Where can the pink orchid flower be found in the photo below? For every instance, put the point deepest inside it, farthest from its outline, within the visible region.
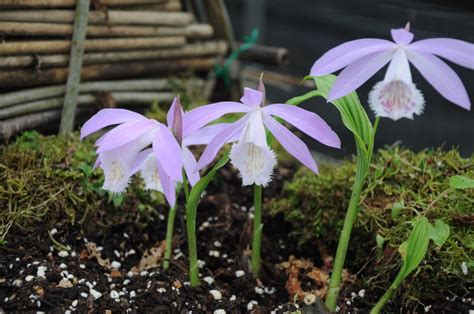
(124, 150)
(396, 96)
(251, 155)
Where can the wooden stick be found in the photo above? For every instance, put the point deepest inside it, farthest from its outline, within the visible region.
(21, 78)
(275, 56)
(58, 46)
(170, 6)
(75, 64)
(120, 98)
(211, 48)
(111, 17)
(54, 29)
(68, 3)
(29, 95)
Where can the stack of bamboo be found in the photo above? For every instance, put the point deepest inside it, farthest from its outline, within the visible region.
(128, 41)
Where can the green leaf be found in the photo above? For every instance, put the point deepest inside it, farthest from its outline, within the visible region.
(295, 101)
(402, 249)
(439, 232)
(380, 240)
(396, 209)
(201, 185)
(461, 182)
(352, 113)
(417, 245)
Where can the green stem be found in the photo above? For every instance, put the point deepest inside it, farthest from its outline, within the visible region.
(192, 248)
(169, 236)
(387, 295)
(257, 229)
(351, 215)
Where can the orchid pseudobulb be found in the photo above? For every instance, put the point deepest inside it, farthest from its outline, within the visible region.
(397, 96)
(251, 155)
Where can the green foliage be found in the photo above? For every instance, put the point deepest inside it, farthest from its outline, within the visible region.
(402, 185)
(50, 179)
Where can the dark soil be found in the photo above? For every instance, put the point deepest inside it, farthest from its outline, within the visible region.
(78, 282)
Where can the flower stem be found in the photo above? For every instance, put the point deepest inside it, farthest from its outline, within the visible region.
(169, 236)
(192, 248)
(257, 229)
(351, 215)
(387, 295)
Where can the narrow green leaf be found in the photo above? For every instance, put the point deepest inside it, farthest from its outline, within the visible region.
(295, 101)
(201, 185)
(439, 232)
(352, 113)
(417, 245)
(461, 182)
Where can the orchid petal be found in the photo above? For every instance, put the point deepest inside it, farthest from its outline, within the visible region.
(455, 50)
(139, 160)
(343, 55)
(116, 165)
(126, 133)
(204, 135)
(218, 141)
(306, 121)
(189, 163)
(358, 72)
(441, 77)
(401, 36)
(291, 143)
(252, 97)
(168, 184)
(106, 117)
(168, 153)
(199, 117)
(255, 163)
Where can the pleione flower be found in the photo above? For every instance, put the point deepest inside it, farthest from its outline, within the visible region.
(397, 96)
(156, 151)
(251, 155)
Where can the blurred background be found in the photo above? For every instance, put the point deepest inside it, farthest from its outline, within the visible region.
(309, 28)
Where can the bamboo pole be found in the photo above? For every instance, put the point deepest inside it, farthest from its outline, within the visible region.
(211, 48)
(75, 64)
(53, 29)
(170, 6)
(58, 46)
(10, 127)
(110, 17)
(69, 3)
(275, 56)
(120, 98)
(29, 95)
(21, 78)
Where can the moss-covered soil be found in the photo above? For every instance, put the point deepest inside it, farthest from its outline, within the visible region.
(51, 203)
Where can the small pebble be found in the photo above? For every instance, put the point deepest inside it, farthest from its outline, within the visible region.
(126, 282)
(82, 266)
(217, 244)
(117, 253)
(464, 268)
(41, 271)
(239, 273)
(115, 265)
(53, 231)
(209, 280)
(219, 311)
(362, 293)
(29, 278)
(63, 254)
(74, 303)
(161, 290)
(233, 298)
(62, 266)
(216, 294)
(251, 304)
(258, 290)
(114, 294)
(17, 283)
(96, 294)
(133, 294)
(84, 295)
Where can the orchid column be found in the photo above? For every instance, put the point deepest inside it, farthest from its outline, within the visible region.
(251, 155)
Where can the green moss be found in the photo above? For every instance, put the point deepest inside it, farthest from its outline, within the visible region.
(401, 186)
(50, 179)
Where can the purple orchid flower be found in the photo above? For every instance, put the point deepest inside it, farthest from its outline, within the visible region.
(396, 96)
(251, 155)
(123, 151)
